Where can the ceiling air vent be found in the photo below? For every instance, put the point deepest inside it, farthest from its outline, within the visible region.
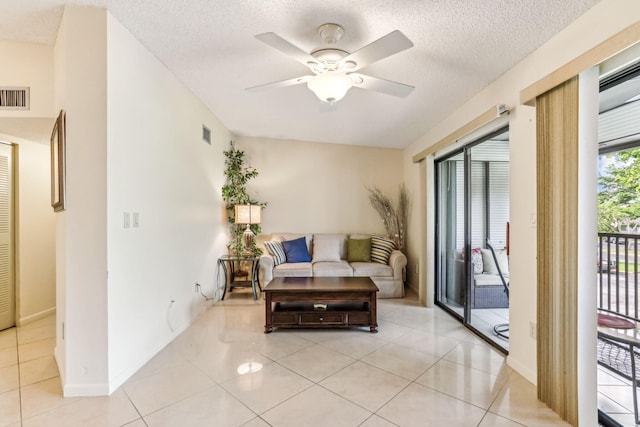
(14, 98)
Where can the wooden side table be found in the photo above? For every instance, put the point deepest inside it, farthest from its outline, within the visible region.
(234, 277)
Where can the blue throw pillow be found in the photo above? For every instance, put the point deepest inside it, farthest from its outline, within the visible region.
(296, 250)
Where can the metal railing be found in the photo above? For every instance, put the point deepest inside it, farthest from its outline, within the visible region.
(618, 273)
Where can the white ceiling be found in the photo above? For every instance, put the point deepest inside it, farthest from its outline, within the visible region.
(460, 47)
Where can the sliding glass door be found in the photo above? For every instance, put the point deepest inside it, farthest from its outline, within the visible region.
(472, 235)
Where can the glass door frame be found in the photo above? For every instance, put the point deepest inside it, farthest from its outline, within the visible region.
(468, 266)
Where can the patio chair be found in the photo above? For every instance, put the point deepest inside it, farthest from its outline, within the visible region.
(501, 329)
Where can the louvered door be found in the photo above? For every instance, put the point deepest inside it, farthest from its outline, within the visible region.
(7, 285)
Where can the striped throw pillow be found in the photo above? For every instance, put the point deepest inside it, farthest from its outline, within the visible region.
(276, 250)
(381, 248)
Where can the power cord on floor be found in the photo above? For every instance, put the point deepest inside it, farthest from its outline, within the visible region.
(206, 298)
(217, 293)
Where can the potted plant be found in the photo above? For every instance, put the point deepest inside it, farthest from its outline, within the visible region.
(234, 192)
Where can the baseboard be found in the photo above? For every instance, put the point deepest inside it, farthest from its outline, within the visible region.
(523, 370)
(83, 390)
(36, 316)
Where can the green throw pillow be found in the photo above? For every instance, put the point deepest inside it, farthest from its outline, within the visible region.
(359, 250)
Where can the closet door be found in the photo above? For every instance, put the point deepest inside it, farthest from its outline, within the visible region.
(7, 282)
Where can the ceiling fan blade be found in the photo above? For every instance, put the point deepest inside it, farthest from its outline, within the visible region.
(283, 83)
(277, 42)
(388, 45)
(380, 85)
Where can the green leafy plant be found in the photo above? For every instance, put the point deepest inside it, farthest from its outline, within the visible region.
(619, 189)
(394, 218)
(234, 192)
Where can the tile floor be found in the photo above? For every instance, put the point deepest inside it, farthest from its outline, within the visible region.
(615, 397)
(422, 368)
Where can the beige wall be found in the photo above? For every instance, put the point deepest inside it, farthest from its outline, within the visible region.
(31, 65)
(604, 20)
(35, 229)
(317, 187)
(36, 233)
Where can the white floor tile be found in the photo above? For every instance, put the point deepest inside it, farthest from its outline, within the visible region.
(213, 406)
(366, 385)
(316, 407)
(316, 362)
(476, 387)
(268, 387)
(164, 388)
(401, 361)
(418, 405)
(9, 407)
(114, 410)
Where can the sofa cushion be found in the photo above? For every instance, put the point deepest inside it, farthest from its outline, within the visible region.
(326, 250)
(293, 236)
(476, 260)
(298, 269)
(381, 248)
(342, 237)
(340, 268)
(296, 250)
(359, 250)
(490, 264)
(371, 269)
(276, 250)
(487, 280)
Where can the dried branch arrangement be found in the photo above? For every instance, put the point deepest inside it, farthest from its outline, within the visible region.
(393, 218)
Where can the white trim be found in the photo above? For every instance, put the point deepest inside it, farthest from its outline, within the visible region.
(83, 390)
(523, 370)
(36, 316)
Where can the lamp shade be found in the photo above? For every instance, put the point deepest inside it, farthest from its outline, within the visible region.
(330, 86)
(248, 214)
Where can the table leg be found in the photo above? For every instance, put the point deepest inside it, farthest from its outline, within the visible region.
(226, 278)
(268, 328)
(373, 328)
(254, 269)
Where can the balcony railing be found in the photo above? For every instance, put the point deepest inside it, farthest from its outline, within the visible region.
(618, 274)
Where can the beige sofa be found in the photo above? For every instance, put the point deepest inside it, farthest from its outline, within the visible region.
(388, 277)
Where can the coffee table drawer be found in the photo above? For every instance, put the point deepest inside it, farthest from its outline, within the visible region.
(359, 317)
(285, 318)
(322, 319)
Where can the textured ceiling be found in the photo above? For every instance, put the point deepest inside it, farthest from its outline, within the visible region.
(460, 47)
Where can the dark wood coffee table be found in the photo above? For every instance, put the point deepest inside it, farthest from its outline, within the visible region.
(320, 302)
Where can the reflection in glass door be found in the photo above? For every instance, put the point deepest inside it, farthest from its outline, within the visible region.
(472, 219)
(451, 275)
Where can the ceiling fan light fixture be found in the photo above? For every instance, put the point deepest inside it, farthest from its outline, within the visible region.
(330, 87)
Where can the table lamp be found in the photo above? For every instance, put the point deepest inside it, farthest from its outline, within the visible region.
(248, 214)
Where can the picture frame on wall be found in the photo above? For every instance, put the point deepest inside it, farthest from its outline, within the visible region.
(58, 163)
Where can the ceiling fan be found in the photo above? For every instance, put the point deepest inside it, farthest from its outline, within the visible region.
(334, 70)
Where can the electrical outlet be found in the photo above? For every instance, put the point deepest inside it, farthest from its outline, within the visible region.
(136, 219)
(127, 220)
(197, 287)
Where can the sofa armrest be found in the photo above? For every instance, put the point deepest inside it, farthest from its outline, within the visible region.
(266, 267)
(397, 261)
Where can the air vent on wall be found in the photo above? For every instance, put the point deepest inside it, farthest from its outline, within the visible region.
(206, 134)
(14, 98)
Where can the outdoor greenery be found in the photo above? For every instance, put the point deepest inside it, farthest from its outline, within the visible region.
(393, 218)
(234, 192)
(619, 195)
